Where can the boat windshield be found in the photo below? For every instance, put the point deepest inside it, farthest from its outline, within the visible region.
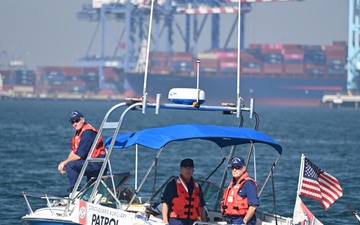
(109, 183)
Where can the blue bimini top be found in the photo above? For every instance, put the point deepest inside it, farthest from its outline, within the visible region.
(223, 136)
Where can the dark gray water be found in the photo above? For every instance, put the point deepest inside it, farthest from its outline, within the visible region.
(35, 137)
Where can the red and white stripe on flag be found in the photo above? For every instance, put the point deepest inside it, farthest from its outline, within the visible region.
(319, 185)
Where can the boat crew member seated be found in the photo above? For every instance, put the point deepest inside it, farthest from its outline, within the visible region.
(183, 201)
(240, 198)
(81, 143)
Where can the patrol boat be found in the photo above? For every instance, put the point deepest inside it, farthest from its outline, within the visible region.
(117, 198)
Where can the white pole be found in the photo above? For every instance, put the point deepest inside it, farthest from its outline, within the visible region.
(148, 47)
(238, 102)
(301, 173)
(239, 46)
(198, 79)
(136, 165)
(147, 58)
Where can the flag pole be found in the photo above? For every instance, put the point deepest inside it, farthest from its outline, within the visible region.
(298, 215)
(301, 173)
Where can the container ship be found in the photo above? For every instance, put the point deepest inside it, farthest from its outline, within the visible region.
(273, 74)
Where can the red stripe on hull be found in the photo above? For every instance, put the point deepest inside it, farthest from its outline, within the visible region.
(316, 88)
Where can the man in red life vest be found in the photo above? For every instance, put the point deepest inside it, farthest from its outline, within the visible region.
(183, 201)
(81, 143)
(240, 199)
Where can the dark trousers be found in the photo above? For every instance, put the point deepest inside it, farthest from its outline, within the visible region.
(174, 221)
(239, 220)
(73, 170)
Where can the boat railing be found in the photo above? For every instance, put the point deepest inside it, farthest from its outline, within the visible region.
(142, 104)
(56, 201)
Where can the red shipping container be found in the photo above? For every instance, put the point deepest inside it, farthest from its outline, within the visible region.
(182, 58)
(335, 56)
(233, 60)
(290, 69)
(182, 54)
(270, 50)
(57, 88)
(272, 68)
(227, 54)
(72, 71)
(228, 65)
(7, 87)
(294, 56)
(247, 57)
(90, 70)
(249, 70)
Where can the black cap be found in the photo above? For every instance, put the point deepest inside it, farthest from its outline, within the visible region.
(187, 163)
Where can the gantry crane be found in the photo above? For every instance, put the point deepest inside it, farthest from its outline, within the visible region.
(135, 15)
(353, 57)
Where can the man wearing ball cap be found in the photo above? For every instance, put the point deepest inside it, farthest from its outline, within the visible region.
(183, 201)
(240, 198)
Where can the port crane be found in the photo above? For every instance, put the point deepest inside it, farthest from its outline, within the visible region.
(167, 16)
(353, 57)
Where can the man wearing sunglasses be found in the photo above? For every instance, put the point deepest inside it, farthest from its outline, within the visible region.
(81, 143)
(240, 199)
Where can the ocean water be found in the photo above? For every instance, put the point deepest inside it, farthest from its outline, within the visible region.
(35, 137)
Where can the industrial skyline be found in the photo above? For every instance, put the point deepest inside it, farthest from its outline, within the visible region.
(48, 32)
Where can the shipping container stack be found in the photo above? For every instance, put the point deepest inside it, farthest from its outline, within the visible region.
(51, 80)
(90, 76)
(336, 60)
(251, 64)
(272, 58)
(112, 83)
(258, 60)
(6, 76)
(24, 81)
(209, 65)
(73, 80)
(279, 60)
(314, 59)
(159, 63)
(227, 63)
(293, 60)
(182, 63)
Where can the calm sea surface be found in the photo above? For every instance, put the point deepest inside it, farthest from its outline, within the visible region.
(35, 137)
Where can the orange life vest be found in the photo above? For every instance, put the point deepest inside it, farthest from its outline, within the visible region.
(232, 203)
(75, 141)
(184, 206)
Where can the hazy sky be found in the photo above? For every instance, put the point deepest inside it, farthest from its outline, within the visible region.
(47, 32)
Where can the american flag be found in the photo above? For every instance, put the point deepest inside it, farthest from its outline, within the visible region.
(319, 185)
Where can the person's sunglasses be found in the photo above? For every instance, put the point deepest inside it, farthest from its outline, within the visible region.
(236, 168)
(75, 121)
